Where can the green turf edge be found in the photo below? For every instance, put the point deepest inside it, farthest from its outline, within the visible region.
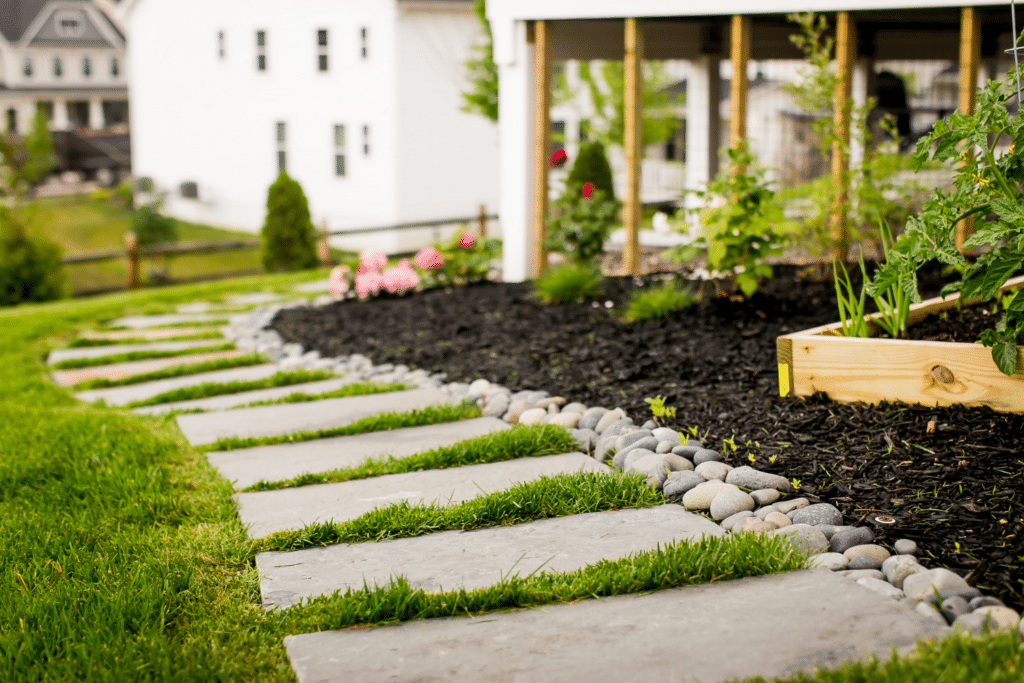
(521, 441)
(176, 371)
(209, 389)
(88, 342)
(375, 423)
(129, 356)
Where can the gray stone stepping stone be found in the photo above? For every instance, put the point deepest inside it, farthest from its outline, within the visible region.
(149, 333)
(301, 417)
(228, 401)
(314, 286)
(59, 355)
(138, 367)
(475, 559)
(270, 511)
(708, 633)
(142, 321)
(254, 298)
(246, 466)
(119, 396)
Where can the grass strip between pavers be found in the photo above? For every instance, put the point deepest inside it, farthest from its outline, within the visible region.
(557, 495)
(356, 389)
(521, 441)
(129, 356)
(82, 342)
(176, 371)
(673, 565)
(208, 389)
(375, 423)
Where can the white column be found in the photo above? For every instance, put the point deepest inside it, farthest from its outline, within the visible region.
(515, 144)
(859, 87)
(95, 113)
(703, 121)
(60, 114)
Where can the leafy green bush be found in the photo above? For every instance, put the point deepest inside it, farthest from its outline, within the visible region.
(591, 166)
(289, 240)
(568, 283)
(660, 302)
(30, 266)
(466, 258)
(153, 227)
(579, 227)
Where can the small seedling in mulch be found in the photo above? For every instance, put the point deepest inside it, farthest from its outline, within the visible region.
(658, 409)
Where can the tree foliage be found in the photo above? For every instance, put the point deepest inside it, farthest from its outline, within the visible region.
(30, 266)
(482, 72)
(27, 159)
(591, 166)
(289, 239)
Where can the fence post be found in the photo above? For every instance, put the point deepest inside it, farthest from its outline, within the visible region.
(131, 244)
(322, 248)
(482, 221)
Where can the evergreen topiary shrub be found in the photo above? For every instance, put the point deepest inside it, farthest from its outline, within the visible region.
(30, 267)
(289, 239)
(591, 166)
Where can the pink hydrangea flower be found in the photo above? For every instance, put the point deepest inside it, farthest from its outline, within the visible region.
(401, 279)
(467, 240)
(429, 258)
(338, 280)
(368, 283)
(372, 261)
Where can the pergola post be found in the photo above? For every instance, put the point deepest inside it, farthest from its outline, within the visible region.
(970, 58)
(846, 47)
(739, 54)
(633, 143)
(542, 140)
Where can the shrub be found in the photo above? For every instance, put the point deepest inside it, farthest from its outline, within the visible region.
(30, 267)
(289, 240)
(463, 259)
(591, 166)
(153, 227)
(580, 226)
(660, 302)
(568, 283)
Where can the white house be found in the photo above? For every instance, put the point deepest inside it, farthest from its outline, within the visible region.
(359, 100)
(66, 57)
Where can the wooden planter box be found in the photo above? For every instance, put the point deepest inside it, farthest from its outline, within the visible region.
(871, 370)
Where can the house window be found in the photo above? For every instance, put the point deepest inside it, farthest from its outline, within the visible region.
(115, 68)
(366, 141)
(69, 23)
(339, 150)
(584, 131)
(557, 136)
(86, 67)
(321, 44)
(26, 66)
(675, 146)
(261, 50)
(58, 69)
(281, 138)
(362, 33)
(12, 121)
(220, 44)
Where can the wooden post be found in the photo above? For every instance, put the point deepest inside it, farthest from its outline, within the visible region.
(846, 47)
(481, 220)
(632, 143)
(970, 56)
(131, 244)
(542, 141)
(739, 55)
(323, 249)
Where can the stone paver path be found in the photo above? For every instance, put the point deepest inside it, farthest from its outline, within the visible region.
(143, 321)
(59, 355)
(270, 511)
(286, 418)
(139, 367)
(314, 286)
(246, 466)
(475, 559)
(119, 396)
(150, 333)
(228, 401)
(769, 626)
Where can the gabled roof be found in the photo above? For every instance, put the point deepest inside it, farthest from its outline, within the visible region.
(17, 15)
(18, 18)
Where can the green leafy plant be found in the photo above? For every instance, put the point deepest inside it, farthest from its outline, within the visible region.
(289, 240)
(568, 283)
(482, 72)
(741, 231)
(660, 302)
(658, 409)
(591, 166)
(466, 259)
(851, 307)
(894, 300)
(30, 265)
(579, 226)
(27, 159)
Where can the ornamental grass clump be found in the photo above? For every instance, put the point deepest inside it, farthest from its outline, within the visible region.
(660, 302)
(569, 283)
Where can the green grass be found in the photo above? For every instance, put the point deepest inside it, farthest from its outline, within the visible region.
(521, 441)
(176, 371)
(660, 302)
(129, 356)
(568, 283)
(375, 423)
(83, 342)
(357, 389)
(573, 493)
(208, 389)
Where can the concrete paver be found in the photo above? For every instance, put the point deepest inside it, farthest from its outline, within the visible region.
(314, 286)
(149, 333)
(228, 401)
(119, 396)
(122, 370)
(143, 321)
(770, 626)
(475, 559)
(246, 466)
(58, 355)
(206, 428)
(254, 298)
(270, 511)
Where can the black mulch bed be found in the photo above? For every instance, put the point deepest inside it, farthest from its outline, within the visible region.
(953, 490)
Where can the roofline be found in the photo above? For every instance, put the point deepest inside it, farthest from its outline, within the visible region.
(102, 26)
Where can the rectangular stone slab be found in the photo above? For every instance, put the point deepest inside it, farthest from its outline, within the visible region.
(246, 466)
(314, 286)
(270, 511)
(228, 401)
(475, 559)
(59, 355)
(119, 396)
(141, 321)
(300, 417)
(254, 298)
(138, 367)
(150, 333)
(769, 626)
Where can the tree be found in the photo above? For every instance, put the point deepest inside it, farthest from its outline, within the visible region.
(482, 72)
(289, 240)
(28, 159)
(591, 166)
(30, 267)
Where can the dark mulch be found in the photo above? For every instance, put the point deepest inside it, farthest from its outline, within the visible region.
(953, 490)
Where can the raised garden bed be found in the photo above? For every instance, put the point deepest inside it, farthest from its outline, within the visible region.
(933, 373)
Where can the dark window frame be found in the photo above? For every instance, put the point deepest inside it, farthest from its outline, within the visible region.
(58, 67)
(86, 67)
